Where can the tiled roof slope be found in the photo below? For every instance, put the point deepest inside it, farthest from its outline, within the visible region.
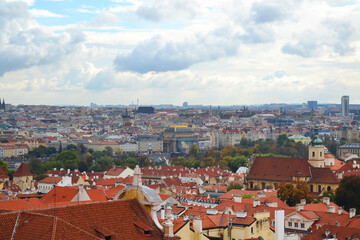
(116, 216)
(121, 219)
(285, 169)
(2, 173)
(22, 171)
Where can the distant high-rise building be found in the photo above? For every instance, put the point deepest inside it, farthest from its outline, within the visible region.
(345, 106)
(313, 105)
(185, 105)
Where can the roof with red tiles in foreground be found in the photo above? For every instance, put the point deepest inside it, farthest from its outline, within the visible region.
(121, 219)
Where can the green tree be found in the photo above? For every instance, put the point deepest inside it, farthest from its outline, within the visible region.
(236, 162)
(109, 151)
(348, 193)
(71, 146)
(4, 166)
(194, 150)
(35, 166)
(70, 158)
(131, 162)
(292, 193)
(234, 186)
(282, 139)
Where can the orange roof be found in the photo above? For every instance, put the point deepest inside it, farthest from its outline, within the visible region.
(22, 171)
(97, 195)
(3, 173)
(113, 191)
(51, 180)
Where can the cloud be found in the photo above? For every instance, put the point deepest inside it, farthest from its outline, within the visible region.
(157, 10)
(24, 44)
(277, 74)
(160, 55)
(44, 13)
(267, 12)
(331, 36)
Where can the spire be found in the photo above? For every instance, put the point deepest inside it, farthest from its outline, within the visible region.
(137, 176)
(317, 140)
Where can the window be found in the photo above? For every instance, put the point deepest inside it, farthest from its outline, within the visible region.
(320, 154)
(328, 188)
(311, 188)
(313, 154)
(319, 188)
(252, 230)
(290, 224)
(296, 225)
(302, 225)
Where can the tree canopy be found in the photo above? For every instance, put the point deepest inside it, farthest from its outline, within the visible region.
(348, 193)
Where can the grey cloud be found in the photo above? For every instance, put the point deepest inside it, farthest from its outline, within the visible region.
(22, 47)
(157, 10)
(160, 55)
(267, 12)
(334, 34)
(102, 81)
(256, 34)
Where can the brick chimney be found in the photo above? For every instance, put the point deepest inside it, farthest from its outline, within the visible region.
(168, 224)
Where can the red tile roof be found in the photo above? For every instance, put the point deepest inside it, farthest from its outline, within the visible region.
(341, 232)
(3, 173)
(51, 180)
(22, 171)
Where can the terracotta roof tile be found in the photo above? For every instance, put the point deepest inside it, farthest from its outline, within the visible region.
(22, 171)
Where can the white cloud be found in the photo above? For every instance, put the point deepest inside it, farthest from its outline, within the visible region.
(44, 13)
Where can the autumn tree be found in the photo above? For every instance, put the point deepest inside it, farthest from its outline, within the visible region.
(292, 193)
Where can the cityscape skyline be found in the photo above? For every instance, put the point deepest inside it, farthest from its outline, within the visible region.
(213, 53)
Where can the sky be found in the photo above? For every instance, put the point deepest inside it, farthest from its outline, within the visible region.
(218, 52)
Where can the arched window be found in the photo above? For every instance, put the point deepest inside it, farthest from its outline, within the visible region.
(263, 185)
(313, 154)
(311, 188)
(251, 185)
(328, 188)
(319, 188)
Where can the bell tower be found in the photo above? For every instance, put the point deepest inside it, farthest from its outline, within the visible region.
(316, 150)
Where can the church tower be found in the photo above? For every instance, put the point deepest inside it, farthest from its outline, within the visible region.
(317, 150)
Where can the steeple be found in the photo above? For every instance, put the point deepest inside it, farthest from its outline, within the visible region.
(317, 140)
(317, 150)
(4, 105)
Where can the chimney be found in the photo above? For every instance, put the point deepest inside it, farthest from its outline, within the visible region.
(162, 214)
(330, 209)
(237, 198)
(352, 212)
(68, 171)
(340, 210)
(241, 214)
(54, 169)
(211, 211)
(197, 225)
(261, 195)
(299, 207)
(303, 201)
(137, 176)
(256, 202)
(326, 200)
(168, 224)
(279, 225)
